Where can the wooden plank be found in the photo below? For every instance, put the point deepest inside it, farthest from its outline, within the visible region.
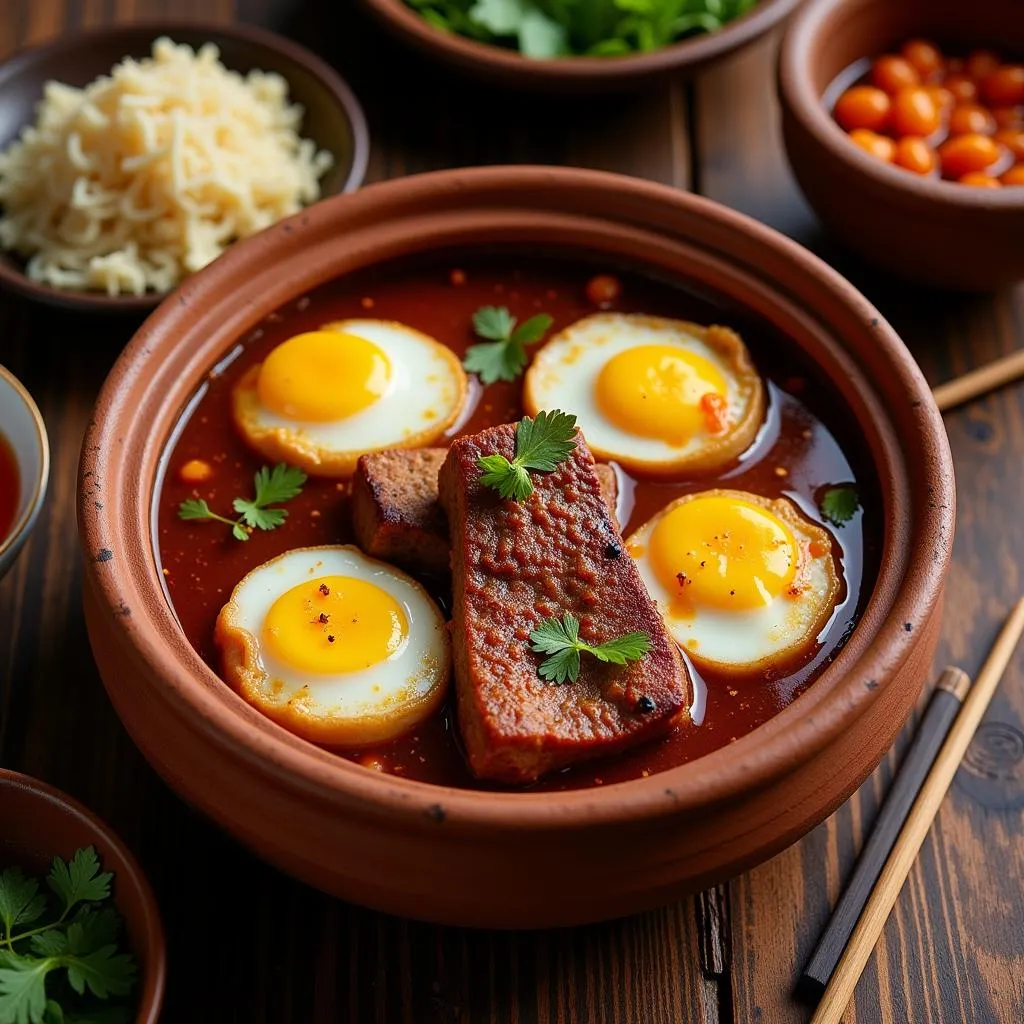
(954, 946)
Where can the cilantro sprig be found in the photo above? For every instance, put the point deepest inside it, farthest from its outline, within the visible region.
(56, 964)
(503, 355)
(560, 639)
(541, 444)
(838, 505)
(272, 486)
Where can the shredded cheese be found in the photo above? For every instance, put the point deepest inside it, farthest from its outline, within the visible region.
(147, 174)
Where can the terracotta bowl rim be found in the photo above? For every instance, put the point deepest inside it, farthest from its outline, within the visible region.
(775, 749)
(96, 302)
(60, 804)
(803, 102)
(26, 522)
(490, 58)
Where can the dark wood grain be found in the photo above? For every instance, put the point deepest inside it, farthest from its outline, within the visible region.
(248, 944)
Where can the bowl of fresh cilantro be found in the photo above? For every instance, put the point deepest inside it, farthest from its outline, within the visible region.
(80, 932)
(579, 45)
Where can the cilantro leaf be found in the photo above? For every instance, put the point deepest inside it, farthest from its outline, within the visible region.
(838, 505)
(52, 942)
(560, 639)
(272, 486)
(79, 881)
(23, 990)
(541, 444)
(20, 900)
(105, 971)
(503, 355)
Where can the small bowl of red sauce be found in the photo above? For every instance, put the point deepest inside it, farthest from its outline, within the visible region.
(904, 125)
(24, 466)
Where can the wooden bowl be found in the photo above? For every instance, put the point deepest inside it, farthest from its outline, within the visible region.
(926, 230)
(40, 823)
(333, 118)
(514, 859)
(577, 74)
(22, 426)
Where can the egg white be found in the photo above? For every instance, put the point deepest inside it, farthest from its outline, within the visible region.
(565, 371)
(425, 394)
(348, 709)
(752, 639)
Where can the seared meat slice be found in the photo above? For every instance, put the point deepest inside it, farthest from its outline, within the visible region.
(515, 564)
(396, 514)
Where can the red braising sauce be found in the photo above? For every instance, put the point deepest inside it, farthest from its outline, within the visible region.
(806, 444)
(10, 489)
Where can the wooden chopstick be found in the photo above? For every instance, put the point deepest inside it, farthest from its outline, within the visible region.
(858, 951)
(934, 726)
(978, 382)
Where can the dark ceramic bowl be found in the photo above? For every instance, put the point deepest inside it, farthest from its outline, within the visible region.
(577, 74)
(923, 229)
(333, 117)
(40, 823)
(478, 857)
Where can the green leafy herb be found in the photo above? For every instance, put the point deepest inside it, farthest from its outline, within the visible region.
(560, 639)
(57, 961)
(503, 355)
(838, 505)
(543, 29)
(272, 486)
(541, 444)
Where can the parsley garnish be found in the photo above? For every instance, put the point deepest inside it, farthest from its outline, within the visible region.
(503, 356)
(273, 486)
(54, 966)
(560, 638)
(541, 444)
(839, 504)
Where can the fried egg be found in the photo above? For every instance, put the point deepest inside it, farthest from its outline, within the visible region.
(335, 646)
(661, 397)
(323, 398)
(743, 582)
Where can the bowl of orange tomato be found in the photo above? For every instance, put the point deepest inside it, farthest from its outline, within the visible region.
(904, 126)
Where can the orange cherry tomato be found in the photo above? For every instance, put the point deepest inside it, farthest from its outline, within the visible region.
(603, 289)
(894, 73)
(941, 97)
(1012, 139)
(914, 154)
(971, 117)
(1014, 176)
(914, 112)
(964, 154)
(1004, 87)
(1009, 117)
(981, 64)
(924, 56)
(863, 106)
(964, 89)
(979, 179)
(877, 145)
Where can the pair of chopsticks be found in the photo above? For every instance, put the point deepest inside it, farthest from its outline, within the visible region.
(947, 727)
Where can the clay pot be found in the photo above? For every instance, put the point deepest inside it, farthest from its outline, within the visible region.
(40, 823)
(923, 229)
(514, 859)
(332, 116)
(509, 69)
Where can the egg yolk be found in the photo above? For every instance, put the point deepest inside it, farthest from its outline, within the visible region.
(334, 624)
(321, 376)
(656, 391)
(723, 553)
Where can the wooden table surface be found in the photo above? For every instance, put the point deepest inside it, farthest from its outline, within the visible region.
(246, 943)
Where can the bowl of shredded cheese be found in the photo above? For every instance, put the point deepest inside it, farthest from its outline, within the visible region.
(131, 157)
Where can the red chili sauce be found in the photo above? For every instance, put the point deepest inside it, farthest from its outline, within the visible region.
(806, 444)
(10, 488)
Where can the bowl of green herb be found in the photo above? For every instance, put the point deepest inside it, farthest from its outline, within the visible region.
(579, 45)
(80, 932)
